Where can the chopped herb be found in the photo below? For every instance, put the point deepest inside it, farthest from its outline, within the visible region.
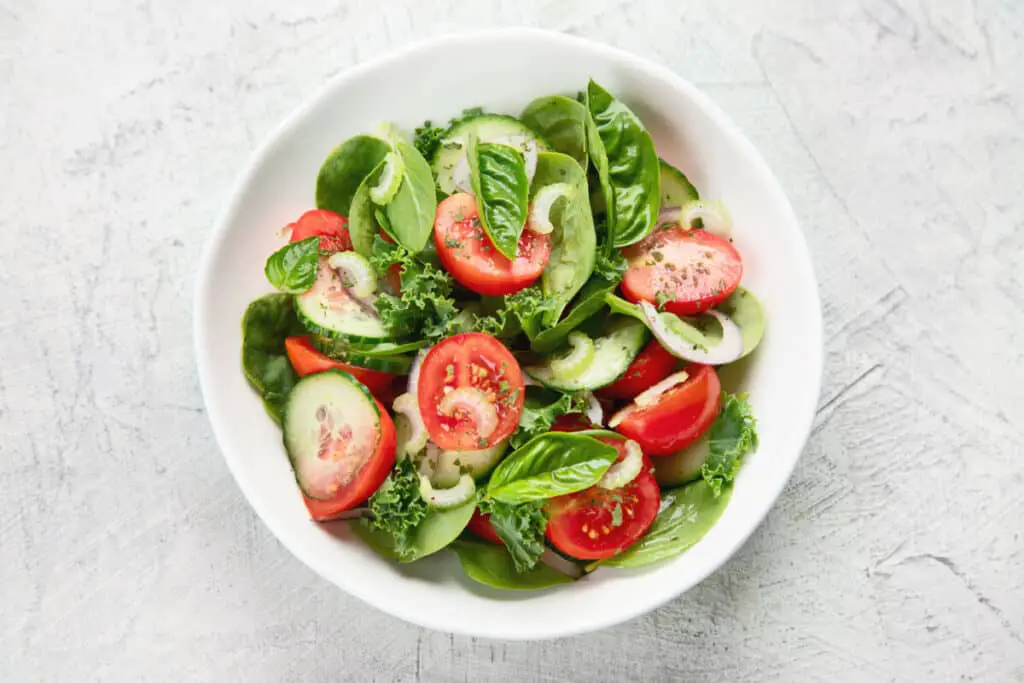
(449, 372)
(658, 256)
(452, 243)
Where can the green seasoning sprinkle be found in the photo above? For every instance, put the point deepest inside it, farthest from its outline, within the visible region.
(661, 298)
(658, 256)
(452, 243)
(449, 372)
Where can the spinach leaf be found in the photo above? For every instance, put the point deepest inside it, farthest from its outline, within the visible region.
(436, 531)
(573, 241)
(293, 267)
(493, 566)
(267, 322)
(362, 223)
(590, 300)
(627, 166)
(521, 527)
(562, 121)
(686, 515)
(398, 508)
(498, 175)
(541, 407)
(344, 170)
(733, 434)
(410, 214)
(550, 465)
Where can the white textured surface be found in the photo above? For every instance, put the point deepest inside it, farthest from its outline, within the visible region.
(128, 554)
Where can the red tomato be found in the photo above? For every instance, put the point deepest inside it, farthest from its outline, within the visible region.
(331, 228)
(650, 366)
(367, 479)
(469, 255)
(480, 524)
(307, 361)
(686, 271)
(679, 416)
(472, 361)
(597, 523)
(571, 422)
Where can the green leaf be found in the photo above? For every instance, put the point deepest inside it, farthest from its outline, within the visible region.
(437, 530)
(574, 240)
(398, 508)
(293, 267)
(699, 332)
(498, 176)
(426, 138)
(562, 121)
(521, 527)
(410, 214)
(362, 223)
(344, 170)
(549, 465)
(493, 566)
(745, 310)
(686, 515)
(733, 434)
(387, 348)
(590, 300)
(627, 166)
(541, 407)
(267, 322)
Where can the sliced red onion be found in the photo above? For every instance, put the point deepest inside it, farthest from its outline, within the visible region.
(713, 216)
(552, 559)
(650, 395)
(624, 471)
(621, 415)
(595, 413)
(414, 372)
(475, 402)
(727, 350)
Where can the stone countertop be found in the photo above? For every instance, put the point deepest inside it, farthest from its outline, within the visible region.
(128, 552)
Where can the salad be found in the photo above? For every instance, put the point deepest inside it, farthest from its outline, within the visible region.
(501, 336)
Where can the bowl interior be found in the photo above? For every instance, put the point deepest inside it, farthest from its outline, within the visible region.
(431, 81)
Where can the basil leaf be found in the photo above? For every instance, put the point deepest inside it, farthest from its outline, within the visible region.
(410, 214)
(541, 407)
(267, 322)
(686, 515)
(436, 531)
(627, 166)
(362, 223)
(521, 527)
(561, 121)
(492, 566)
(498, 175)
(574, 240)
(344, 170)
(591, 299)
(733, 434)
(549, 465)
(293, 267)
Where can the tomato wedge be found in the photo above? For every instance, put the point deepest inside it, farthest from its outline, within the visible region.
(332, 229)
(307, 361)
(686, 271)
(469, 255)
(480, 524)
(368, 479)
(598, 523)
(650, 366)
(679, 416)
(471, 392)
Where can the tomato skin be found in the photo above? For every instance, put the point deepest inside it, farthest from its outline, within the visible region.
(697, 269)
(308, 361)
(372, 474)
(332, 229)
(572, 422)
(478, 361)
(680, 416)
(480, 524)
(469, 255)
(582, 524)
(650, 366)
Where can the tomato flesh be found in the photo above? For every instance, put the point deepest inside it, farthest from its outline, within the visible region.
(686, 271)
(598, 523)
(331, 228)
(367, 480)
(650, 366)
(469, 255)
(480, 524)
(679, 416)
(476, 361)
(308, 361)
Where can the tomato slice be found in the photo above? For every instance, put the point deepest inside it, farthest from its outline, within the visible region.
(572, 422)
(686, 271)
(481, 364)
(469, 255)
(371, 475)
(679, 416)
(650, 366)
(329, 226)
(308, 361)
(598, 523)
(480, 524)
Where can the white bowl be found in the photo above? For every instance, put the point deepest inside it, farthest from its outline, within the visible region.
(502, 71)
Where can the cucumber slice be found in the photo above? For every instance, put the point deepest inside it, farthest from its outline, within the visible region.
(451, 465)
(682, 467)
(451, 168)
(613, 352)
(330, 310)
(445, 498)
(676, 188)
(573, 364)
(331, 430)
